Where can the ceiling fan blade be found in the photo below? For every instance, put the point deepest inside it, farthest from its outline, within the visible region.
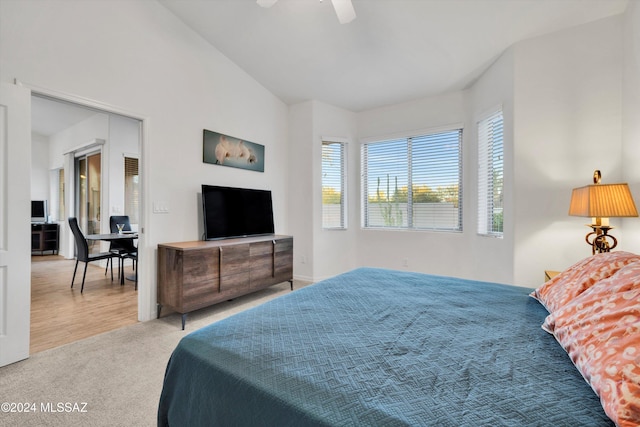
(345, 11)
(266, 3)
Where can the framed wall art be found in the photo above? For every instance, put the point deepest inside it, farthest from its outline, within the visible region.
(225, 150)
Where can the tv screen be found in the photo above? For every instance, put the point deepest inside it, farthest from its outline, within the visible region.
(38, 211)
(236, 212)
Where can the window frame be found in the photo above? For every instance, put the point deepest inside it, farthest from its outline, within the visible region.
(487, 209)
(343, 144)
(409, 137)
(131, 191)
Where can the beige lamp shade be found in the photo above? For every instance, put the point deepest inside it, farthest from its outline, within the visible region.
(602, 200)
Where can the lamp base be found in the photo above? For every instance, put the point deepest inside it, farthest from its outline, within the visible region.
(600, 239)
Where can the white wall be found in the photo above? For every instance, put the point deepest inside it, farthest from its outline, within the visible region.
(93, 128)
(442, 253)
(138, 57)
(630, 120)
(301, 193)
(561, 96)
(562, 99)
(123, 142)
(493, 257)
(334, 249)
(39, 167)
(566, 91)
(120, 136)
(320, 253)
(567, 123)
(79, 135)
(329, 252)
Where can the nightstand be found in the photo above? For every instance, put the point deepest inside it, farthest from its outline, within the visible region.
(550, 274)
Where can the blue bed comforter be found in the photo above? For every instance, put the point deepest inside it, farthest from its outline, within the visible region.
(376, 347)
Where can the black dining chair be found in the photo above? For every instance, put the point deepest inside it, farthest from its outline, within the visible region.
(123, 248)
(82, 252)
(134, 257)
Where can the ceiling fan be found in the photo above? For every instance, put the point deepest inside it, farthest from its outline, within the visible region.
(344, 9)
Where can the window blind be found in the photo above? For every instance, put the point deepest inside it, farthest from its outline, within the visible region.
(333, 185)
(414, 182)
(491, 175)
(131, 189)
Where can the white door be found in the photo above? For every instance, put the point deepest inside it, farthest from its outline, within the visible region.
(15, 234)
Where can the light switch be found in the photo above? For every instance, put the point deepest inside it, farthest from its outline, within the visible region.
(160, 207)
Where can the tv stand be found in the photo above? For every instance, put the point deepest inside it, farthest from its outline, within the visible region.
(197, 274)
(44, 237)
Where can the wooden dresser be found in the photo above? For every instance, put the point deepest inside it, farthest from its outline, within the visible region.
(197, 274)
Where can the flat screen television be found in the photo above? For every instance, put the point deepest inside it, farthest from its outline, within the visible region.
(39, 211)
(236, 212)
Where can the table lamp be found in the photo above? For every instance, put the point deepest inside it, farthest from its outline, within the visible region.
(601, 202)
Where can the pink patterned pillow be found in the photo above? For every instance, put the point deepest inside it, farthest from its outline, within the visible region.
(567, 285)
(600, 331)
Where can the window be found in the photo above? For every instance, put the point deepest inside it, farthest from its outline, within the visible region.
(131, 189)
(61, 211)
(413, 183)
(490, 175)
(333, 185)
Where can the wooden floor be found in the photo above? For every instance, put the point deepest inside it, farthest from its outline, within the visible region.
(60, 315)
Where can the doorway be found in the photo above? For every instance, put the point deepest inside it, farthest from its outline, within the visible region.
(78, 164)
(88, 193)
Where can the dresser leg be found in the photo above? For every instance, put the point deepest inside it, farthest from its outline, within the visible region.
(159, 308)
(184, 319)
(291, 283)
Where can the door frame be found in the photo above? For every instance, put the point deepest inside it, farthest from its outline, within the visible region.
(146, 297)
(15, 239)
(83, 223)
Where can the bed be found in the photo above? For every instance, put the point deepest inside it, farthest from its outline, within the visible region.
(378, 347)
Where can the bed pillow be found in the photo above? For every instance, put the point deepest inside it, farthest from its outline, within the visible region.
(576, 279)
(600, 331)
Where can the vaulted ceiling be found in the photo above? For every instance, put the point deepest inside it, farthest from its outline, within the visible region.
(394, 51)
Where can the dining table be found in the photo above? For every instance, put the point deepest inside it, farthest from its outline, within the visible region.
(110, 237)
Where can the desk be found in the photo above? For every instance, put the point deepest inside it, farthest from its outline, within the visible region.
(110, 237)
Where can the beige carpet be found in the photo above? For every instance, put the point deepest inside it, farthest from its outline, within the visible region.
(112, 379)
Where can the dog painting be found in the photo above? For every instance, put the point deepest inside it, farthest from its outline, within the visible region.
(226, 150)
